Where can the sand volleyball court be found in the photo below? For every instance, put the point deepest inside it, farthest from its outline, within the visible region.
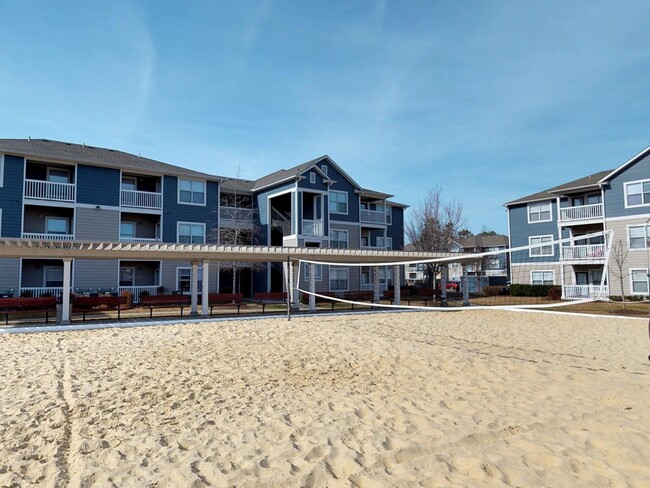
(394, 399)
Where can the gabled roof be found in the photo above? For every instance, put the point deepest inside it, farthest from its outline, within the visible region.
(81, 153)
(584, 183)
(234, 185)
(627, 163)
(289, 174)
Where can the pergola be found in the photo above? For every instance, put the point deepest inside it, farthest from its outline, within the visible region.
(196, 253)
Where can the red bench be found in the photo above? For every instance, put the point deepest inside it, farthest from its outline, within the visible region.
(305, 298)
(426, 295)
(161, 301)
(389, 295)
(86, 305)
(26, 305)
(225, 299)
(270, 298)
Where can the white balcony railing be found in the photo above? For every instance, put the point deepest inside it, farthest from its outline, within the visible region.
(371, 287)
(582, 212)
(48, 190)
(41, 291)
(141, 199)
(48, 237)
(373, 217)
(139, 239)
(594, 292)
(236, 214)
(312, 227)
(590, 252)
(137, 290)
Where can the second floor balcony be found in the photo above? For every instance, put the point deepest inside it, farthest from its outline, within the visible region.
(588, 252)
(236, 214)
(373, 217)
(312, 228)
(581, 213)
(50, 190)
(141, 199)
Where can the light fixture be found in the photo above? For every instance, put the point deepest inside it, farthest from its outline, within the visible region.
(97, 207)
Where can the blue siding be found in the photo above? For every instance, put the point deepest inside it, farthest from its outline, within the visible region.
(306, 185)
(521, 230)
(11, 196)
(615, 192)
(98, 186)
(173, 212)
(343, 184)
(396, 229)
(261, 202)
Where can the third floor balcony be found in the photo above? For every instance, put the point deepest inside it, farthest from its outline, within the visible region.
(581, 213)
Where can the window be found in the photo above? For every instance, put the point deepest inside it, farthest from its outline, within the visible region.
(386, 276)
(312, 177)
(389, 215)
(307, 273)
(56, 225)
(639, 278)
(184, 279)
(338, 202)
(127, 276)
(52, 276)
(324, 168)
(542, 250)
(542, 277)
(189, 233)
(638, 236)
(191, 192)
(338, 279)
(493, 263)
(339, 239)
(593, 199)
(127, 230)
(539, 212)
(58, 175)
(637, 193)
(129, 183)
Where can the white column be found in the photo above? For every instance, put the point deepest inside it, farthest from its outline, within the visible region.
(397, 285)
(295, 297)
(67, 281)
(312, 287)
(205, 305)
(194, 288)
(376, 285)
(443, 285)
(464, 284)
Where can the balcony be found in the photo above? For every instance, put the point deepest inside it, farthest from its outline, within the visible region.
(578, 292)
(149, 240)
(312, 228)
(41, 291)
(581, 213)
(48, 190)
(48, 237)
(373, 217)
(589, 252)
(141, 199)
(236, 214)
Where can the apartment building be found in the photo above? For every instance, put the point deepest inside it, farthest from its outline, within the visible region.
(616, 200)
(53, 190)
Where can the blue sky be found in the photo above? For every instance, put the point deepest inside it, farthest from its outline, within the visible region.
(489, 101)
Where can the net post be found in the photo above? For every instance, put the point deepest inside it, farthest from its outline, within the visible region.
(443, 285)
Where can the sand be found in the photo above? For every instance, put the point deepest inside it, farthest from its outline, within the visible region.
(400, 399)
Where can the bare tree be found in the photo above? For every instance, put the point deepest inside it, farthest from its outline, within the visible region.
(618, 255)
(432, 226)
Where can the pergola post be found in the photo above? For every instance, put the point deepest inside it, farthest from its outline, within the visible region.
(295, 298)
(376, 285)
(312, 287)
(397, 285)
(444, 277)
(465, 286)
(67, 282)
(194, 289)
(205, 305)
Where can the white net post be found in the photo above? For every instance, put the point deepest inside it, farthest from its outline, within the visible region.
(397, 285)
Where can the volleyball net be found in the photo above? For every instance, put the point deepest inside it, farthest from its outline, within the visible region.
(545, 273)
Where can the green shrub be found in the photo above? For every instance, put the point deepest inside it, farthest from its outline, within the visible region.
(519, 290)
(492, 291)
(628, 298)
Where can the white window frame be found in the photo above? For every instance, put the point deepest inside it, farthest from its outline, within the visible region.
(324, 168)
(49, 171)
(347, 238)
(626, 194)
(48, 268)
(337, 270)
(307, 272)
(205, 192)
(2, 170)
(541, 248)
(543, 271)
(178, 231)
(129, 178)
(645, 273)
(134, 224)
(189, 288)
(312, 178)
(347, 203)
(530, 206)
(52, 218)
(645, 240)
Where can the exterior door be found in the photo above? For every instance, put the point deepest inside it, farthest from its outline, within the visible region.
(582, 278)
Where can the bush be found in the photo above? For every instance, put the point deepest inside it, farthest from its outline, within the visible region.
(492, 291)
(628, 298)
(555, 293)
(129, 298)
(530, 290)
